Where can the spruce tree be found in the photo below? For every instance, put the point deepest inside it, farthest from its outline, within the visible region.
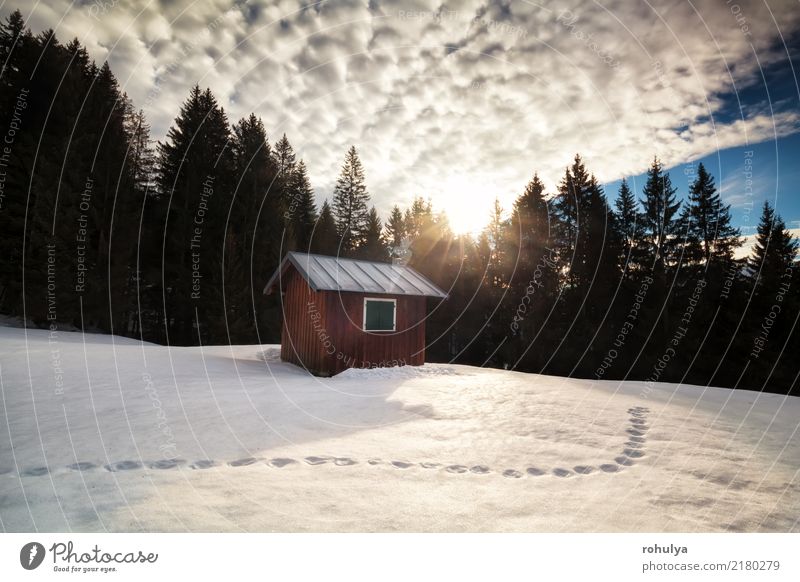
(255, 235)
(589, 250)
(195, 179)
(710, 237)
(325, 240)
(285, 164)
(284, 157)
(395, 228)
(629, 225)
(374, 247)
(533, 280)
(301, 212)
(774, 253)
(350, 198)
(663, 234)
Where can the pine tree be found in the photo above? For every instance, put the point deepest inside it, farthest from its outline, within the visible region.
(663, 233)
(774, 253)
(710, 237)
(19, 52)
(301, 212)
(285, 163)
(195, 179)
(284, 157)
(350, 198)
(395, 228)
(584, 227)
(588, 256)
(374, 247)
(531, 272)
(325, 240)
(530, 219)
(629, 225)
(255, 235)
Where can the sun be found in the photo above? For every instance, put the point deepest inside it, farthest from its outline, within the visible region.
(467, 204)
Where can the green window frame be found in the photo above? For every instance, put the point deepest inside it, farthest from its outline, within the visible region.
(380, 314)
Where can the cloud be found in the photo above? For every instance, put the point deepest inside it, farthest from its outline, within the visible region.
(749, 241)
(462, 95)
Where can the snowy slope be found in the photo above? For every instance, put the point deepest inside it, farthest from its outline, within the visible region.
(106, 433)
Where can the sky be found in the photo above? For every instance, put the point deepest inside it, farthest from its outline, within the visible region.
(462, 102)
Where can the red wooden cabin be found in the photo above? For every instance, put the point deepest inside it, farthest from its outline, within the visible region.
(344, 313)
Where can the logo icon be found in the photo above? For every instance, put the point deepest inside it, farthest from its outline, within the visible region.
(31, 555)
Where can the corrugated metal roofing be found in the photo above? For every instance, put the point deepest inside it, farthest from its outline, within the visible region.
(324, 273)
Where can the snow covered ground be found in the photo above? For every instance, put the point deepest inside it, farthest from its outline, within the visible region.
(106, 433)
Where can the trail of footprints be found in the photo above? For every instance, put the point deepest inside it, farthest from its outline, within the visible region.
(633, 450)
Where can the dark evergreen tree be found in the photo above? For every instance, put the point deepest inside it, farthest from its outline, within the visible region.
(533, 277)
(302, 211)
(196, 180)
(285, 164)
(629, 226)
(350, 199)
(710, 237)
(19, 51)
(374, 247)
(768, 350)
(396, 228)
(774, 253)
(285, 159)
(589, 249)
(663, 232)
(325, 240)
(255, 236)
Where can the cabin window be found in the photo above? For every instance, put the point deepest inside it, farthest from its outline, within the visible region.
(380, 314)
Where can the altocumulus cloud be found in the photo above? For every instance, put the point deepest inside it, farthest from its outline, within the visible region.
(448, 100)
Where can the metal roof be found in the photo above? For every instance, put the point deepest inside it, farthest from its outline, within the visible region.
(324, 273)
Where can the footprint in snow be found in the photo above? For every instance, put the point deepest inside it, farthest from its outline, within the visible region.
(344, 461)
(316, 460)
(243, 462)
(280, 462)
(634, 450)
(166, 464)
(123, 466)
(82, 466)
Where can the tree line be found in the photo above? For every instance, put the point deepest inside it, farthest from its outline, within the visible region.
(172, 242)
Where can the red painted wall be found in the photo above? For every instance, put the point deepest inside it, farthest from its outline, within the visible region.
(322, 331)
